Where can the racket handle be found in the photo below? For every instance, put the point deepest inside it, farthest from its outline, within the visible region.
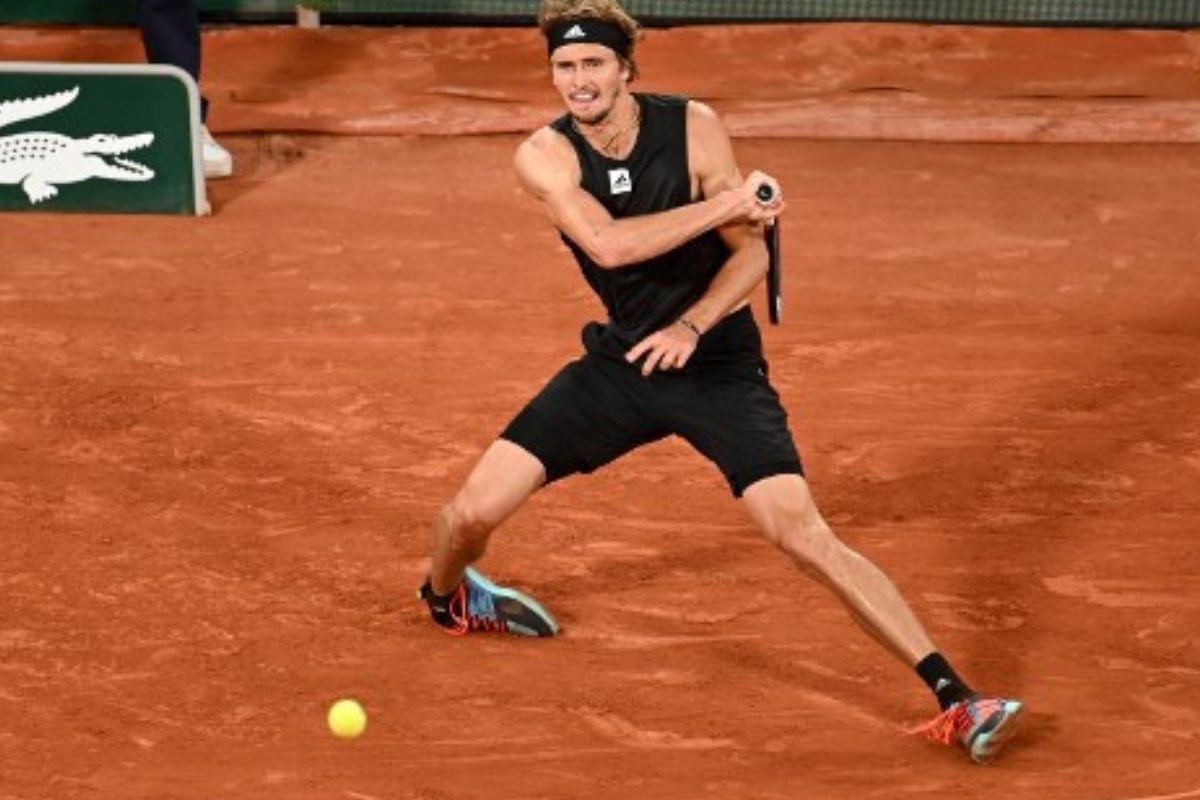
(774, 274)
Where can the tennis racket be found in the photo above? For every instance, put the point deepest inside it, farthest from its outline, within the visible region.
(765, 194)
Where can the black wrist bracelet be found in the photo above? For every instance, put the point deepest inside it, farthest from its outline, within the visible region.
(691, 326)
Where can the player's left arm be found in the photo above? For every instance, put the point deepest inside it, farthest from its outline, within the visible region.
(711, 160)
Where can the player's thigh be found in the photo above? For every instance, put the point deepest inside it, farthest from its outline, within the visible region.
(737, 421)
(590, 414)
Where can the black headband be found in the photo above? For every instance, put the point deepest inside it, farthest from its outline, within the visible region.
(589, 30)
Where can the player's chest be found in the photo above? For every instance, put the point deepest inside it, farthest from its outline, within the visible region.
(640, 185)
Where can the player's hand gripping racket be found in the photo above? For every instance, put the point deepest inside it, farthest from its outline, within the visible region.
(765, 194)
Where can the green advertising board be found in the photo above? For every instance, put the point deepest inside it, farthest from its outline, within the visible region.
(99, 138)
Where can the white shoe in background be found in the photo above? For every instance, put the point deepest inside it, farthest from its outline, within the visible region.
(217, 161)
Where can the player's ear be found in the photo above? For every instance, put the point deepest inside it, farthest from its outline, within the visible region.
(626, 70)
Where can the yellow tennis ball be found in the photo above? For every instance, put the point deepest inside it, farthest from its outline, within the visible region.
(347, 719)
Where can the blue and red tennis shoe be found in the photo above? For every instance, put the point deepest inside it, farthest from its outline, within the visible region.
(480, 606)
(981, 725)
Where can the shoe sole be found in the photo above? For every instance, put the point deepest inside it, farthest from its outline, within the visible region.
(217, 173)
(525, 600)
(987, 745)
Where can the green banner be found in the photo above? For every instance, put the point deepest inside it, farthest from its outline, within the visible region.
(88, 12)
(100, 138)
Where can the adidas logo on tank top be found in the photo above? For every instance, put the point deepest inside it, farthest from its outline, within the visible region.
(619, 181)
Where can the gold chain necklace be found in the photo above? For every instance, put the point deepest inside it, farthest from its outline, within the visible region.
(607, 147)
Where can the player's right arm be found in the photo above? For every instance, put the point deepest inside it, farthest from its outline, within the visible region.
(549, 170)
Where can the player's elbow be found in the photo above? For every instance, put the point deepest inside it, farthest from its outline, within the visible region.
(608, 260)
(609, 255)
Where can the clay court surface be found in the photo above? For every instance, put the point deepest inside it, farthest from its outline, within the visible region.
(222, 441)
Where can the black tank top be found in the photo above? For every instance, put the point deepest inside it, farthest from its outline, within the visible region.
(644, 297)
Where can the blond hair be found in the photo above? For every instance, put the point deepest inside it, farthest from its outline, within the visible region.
(553, 12)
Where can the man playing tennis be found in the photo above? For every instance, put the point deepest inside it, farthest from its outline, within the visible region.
(647, 195)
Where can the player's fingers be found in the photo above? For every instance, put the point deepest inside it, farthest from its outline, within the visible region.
(639, 348)
(676, 359)
(652, 361)
(685, 353)
(768, 213)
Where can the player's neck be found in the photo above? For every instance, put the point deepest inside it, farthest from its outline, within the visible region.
(615, 134)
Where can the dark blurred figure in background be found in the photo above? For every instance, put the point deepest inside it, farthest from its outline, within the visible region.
(171, 35)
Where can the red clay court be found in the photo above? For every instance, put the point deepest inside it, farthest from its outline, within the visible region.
(222, 440)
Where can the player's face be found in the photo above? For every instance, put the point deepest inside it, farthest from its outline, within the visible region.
(590, 78)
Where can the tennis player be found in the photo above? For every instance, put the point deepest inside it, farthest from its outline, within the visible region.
(648, 197)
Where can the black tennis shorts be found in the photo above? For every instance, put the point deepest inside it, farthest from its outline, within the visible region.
(599, 407)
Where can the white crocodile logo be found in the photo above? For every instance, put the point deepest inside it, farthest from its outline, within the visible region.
(40, 162)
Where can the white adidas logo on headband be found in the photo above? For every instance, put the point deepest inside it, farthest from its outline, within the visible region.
(575, 33)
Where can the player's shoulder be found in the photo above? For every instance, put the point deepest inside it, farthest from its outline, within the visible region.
(710, 151)
(544, 157)
(543, 146)
(706, 133)
(703, 118)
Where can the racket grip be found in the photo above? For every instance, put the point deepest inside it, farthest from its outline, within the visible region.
(774, 274)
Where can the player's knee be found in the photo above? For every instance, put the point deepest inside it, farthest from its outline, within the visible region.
(470, 519)
(799, 531)
(785, 520)
(464, 535)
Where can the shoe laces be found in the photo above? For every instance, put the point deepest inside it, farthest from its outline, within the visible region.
(474, 610)
(957, 721)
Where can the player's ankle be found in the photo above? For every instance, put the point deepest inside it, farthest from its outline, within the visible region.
(943, 681)
(439, 605)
